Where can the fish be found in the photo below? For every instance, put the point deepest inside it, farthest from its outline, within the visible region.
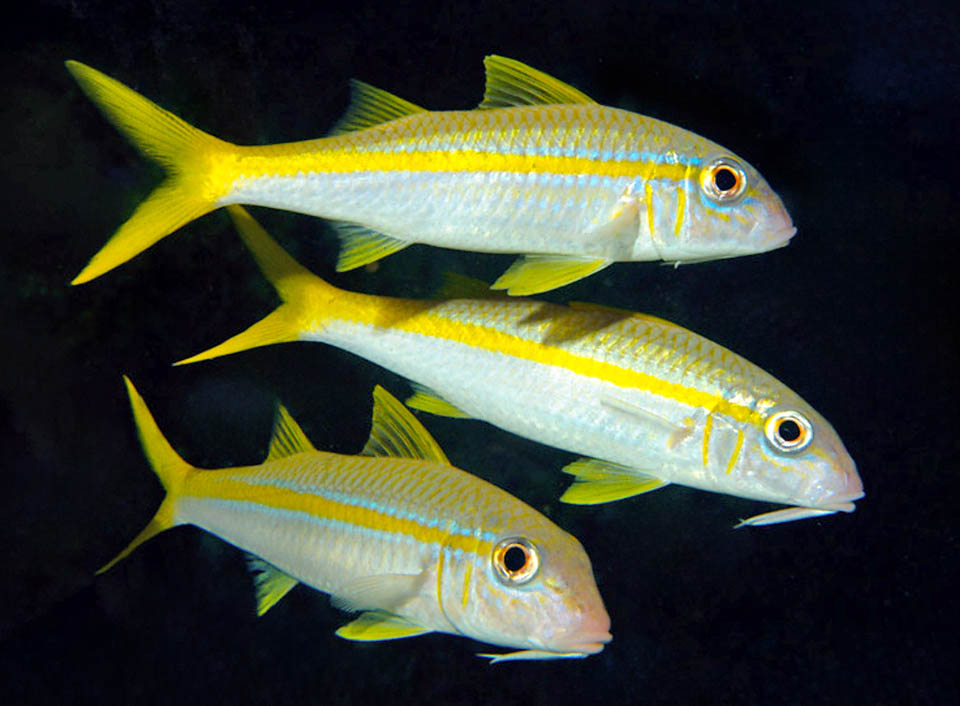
(538, 169)
(644, 402)
(397, 532)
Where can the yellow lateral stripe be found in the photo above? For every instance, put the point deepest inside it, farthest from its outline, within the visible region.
(416, 318)
(736, 451)
(467, 575)
(255, 162)
(707, 428)
(323, 508)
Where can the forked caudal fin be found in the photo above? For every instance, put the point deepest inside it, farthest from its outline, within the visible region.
(188, 154)
(166, 463)
(303, 294)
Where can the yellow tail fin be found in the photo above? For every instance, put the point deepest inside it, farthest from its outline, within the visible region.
(187, 154)
(166, 463)
(307, 299)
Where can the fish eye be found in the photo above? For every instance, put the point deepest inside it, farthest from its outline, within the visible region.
(515, 561)
(788, 431)
(723, 180)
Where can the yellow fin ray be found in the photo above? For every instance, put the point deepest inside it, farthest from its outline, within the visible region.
(183, 150)
(395, 432)
(427, 400)
(360, 246)
(510, 82)
(379, 625)
(603, 482)
(288, 438)
(271, 583)
(371, 106)
(532, 274)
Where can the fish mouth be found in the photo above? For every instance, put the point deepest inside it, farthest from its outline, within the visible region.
(779, 238)
(589, 643)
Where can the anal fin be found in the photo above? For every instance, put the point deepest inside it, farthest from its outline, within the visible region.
(360, 245)
(426, 400)
(271, 583)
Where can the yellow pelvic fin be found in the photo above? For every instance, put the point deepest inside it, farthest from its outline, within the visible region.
(380, 625)
(427, 400)
(299, 288)
(603, 482)
(370, 106)
(396, 432)
(271, 583)
(360, 246)
(187, 153)
(510, 82)
(532, 274)
(166, 463)
(288, 438)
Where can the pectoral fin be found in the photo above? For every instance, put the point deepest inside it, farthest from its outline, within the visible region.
(532, 274)
(603, 482)
(378, 592)
(380, 625)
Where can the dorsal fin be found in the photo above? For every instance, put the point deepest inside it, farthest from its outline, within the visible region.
(371, 106)
(396, 432)
(288, 438)
(510, 82)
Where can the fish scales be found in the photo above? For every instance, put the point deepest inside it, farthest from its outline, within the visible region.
(634, 393)
(569, 184)
(419, 543)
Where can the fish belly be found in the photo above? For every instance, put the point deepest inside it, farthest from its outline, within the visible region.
(479, 211)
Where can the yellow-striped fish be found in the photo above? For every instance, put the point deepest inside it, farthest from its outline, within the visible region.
(645, 401)
(539, 169)
(398, 532)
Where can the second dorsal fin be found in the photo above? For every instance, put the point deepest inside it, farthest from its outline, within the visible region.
(510, 82)
(396, 432)
(287, 438)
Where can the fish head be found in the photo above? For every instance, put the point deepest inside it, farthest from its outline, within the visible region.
(727, 209)
(533, 589)
(792, 455)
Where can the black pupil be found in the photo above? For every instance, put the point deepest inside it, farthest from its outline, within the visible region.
(725, 179)
(514, 559)
(789, 430)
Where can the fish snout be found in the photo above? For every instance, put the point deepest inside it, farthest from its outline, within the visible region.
(590, 635)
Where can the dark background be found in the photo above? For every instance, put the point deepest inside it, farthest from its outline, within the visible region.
(848, 109)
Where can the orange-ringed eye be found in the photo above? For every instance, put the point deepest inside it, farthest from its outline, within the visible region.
(515, 561)
(788, 431)
(723, 180)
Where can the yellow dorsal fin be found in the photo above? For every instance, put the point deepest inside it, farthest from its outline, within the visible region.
(380, 625)
(271, 583)
(396, 432)
(510, 82)
(371, 106)
(459, 286)
(603, 482)
(288, 438)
